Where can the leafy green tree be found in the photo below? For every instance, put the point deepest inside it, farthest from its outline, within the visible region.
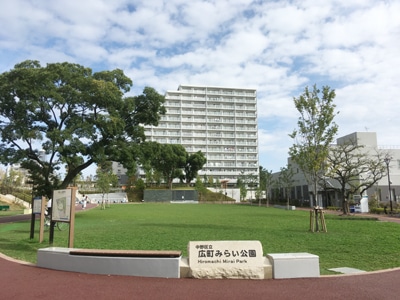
(252, 183)
(286, 182)
(205, 179)
(11, 181)
(269, 180)
(200, 188)
(168, 159)
(243, 191)
(262, 185)
(266, 182)
(354, 169)
(316, 131)
(135, 188)
(149, 176)
(248, 182)
(139, 188)
(64, 114)
(258, 194)
(194, 163)
(105, 179)
(210, 181)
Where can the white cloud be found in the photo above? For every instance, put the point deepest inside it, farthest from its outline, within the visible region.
(277, 47)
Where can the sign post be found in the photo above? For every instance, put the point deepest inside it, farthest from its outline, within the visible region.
(41, 206)
(63, 210)
(33, 216)
(38, 204)
(72, 218)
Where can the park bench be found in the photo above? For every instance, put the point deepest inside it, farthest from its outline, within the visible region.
(126, 253)
(146, 263)
(4, 207)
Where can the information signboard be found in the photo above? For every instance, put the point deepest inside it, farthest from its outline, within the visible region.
(37, 205)
(61, 205)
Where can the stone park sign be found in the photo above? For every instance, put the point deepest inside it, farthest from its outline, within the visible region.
(226, 259)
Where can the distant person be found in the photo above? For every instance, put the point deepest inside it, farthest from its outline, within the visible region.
(84, 200)
(48, 207)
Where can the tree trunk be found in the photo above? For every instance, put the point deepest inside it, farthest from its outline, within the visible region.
(315, 192)
(345, 204)
(73, 173)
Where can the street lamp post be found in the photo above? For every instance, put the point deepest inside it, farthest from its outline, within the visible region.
(387, 161)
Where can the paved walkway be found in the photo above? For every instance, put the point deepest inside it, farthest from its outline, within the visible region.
(24, 281)
(19, 280)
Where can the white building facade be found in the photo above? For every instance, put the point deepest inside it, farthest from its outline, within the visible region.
(220, 122)
(329, 196)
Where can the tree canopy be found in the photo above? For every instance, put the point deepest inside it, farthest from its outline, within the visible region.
(170, 160)
(354, 169)
(266, 182)
(64, 115)
(286, 182)
(194, 163)
(105, 179)
(316, 131)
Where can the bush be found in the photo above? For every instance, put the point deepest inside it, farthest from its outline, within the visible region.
(373, 202)
(377, 210)
(336, 208)
(381, 211)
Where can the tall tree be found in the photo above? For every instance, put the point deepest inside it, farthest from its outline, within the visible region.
(200, 188)
(168, 159)
(194, 163)
(316, 131)
(286, 182)
(268, 187)
(242, 187)
(261, 187)
(64, 114)
(262, 176)
(247, 182)
(266, 183)
(105, 180)
(355, 169)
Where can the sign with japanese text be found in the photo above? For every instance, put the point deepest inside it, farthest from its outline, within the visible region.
(236, 254)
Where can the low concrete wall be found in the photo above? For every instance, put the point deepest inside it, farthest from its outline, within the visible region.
(58, 258)
(169, 195)
(275, 266)
(290, 207)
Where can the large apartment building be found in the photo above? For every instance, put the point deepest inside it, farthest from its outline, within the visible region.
(219, 121)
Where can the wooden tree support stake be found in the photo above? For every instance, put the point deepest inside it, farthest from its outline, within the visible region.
(317, 220)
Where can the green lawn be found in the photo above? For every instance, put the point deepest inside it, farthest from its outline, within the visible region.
(363, 244)
(6, 213)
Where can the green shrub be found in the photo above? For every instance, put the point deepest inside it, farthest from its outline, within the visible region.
(334, 208)
(377, 210)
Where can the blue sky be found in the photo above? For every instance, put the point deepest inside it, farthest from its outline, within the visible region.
(276, 47)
